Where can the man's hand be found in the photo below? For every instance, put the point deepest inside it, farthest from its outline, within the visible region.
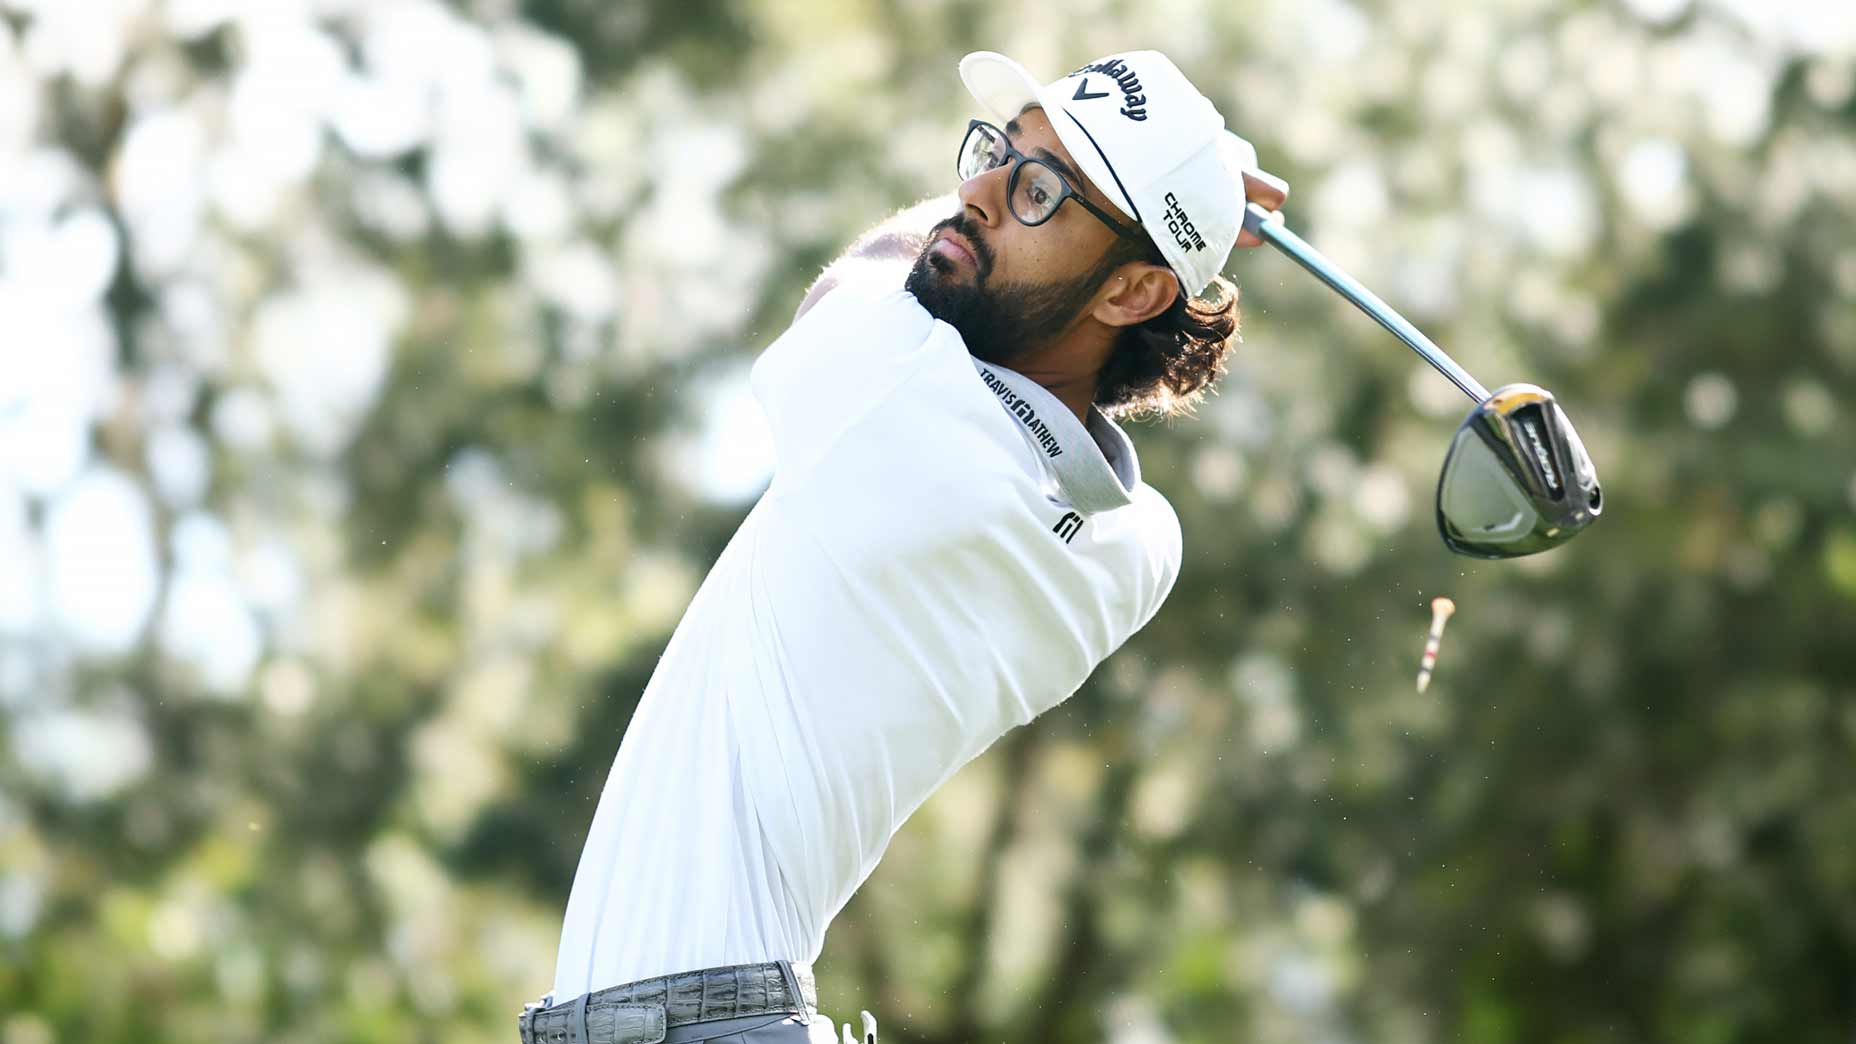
(1267, 191)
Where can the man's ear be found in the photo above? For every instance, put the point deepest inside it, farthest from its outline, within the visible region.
(1137, 292)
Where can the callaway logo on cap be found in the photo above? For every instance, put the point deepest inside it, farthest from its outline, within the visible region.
(1146, 138)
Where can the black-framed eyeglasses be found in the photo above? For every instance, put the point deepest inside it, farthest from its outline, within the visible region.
(1034, 190)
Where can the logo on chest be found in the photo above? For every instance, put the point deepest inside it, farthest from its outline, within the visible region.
(1068, 526)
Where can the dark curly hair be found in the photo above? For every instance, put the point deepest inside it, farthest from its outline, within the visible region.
(1162, 367)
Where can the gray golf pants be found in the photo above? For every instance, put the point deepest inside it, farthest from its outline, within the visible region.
(773, 1003)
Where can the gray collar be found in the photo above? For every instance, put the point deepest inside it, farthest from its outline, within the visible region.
(1095, 466)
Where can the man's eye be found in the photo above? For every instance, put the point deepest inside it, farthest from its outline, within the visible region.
(1039, 196)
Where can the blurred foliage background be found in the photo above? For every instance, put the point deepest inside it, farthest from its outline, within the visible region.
(372, 399)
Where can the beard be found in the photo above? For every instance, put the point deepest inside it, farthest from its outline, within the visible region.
(998, 323)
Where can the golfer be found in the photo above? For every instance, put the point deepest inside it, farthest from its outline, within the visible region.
(956, 534)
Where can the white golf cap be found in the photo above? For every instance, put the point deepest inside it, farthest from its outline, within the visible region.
(1148, 140)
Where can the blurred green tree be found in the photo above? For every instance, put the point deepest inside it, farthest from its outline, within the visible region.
(424, 333)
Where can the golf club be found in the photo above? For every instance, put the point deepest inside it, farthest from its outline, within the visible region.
(1517, 479)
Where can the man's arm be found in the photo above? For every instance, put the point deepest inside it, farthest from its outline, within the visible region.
(895, 242)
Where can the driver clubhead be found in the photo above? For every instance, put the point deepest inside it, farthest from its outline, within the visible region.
(1517, 479)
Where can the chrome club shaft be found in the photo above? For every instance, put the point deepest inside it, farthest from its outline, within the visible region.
(1258, 220)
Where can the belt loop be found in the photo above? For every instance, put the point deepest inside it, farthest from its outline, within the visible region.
(578, 1025)
(792, 987)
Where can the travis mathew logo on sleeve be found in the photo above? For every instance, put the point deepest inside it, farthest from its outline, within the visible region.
(1021, 409)
(1134, 103)
(1068, 526)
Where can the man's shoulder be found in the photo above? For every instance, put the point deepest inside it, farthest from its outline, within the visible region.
(1160, 522)
(1153, 530)
(858, 319)
(854, 279)
(1162, 541)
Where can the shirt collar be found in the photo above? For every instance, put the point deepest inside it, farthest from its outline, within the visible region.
(1095, 465)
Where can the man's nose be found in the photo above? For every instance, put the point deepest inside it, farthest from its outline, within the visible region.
(983, 195)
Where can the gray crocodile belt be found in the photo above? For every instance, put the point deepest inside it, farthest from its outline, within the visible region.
(642, 1012)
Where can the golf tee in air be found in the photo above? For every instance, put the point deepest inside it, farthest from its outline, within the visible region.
(1441, 608)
